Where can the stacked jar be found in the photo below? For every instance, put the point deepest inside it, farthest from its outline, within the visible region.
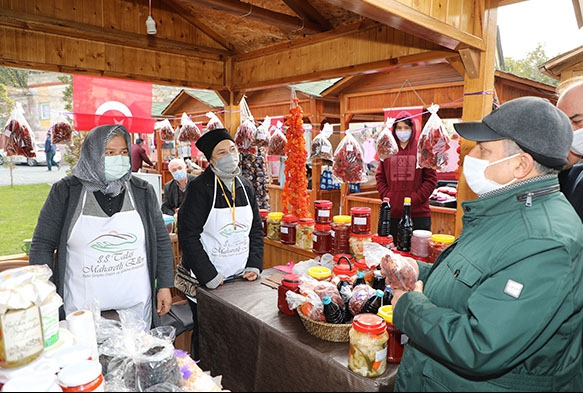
(322, 239)
(438, 243)
(304, 233)
(323, 211)
(274, 225)
(288, 229)
(360, 230)
(341, 234)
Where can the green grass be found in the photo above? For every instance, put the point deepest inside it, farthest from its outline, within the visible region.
(19, 209)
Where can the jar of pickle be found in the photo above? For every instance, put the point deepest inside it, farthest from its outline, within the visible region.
(322, 239)
(357, 241)
(304, 233)
(438, 243)
(320, 273)
(274, 225)
(263, 213)
(341, 234)
(360, 219)
(323, 210)
(385, 241)
(420, 243)
(367, 354)
(368, 271)
(288, 229)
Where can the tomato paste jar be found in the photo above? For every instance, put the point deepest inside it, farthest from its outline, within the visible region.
(341, 234)
(289, 282)
(438, 243)
(323, 210)
(322, 239)
(288, 229)
(397, 340)
(360, 219)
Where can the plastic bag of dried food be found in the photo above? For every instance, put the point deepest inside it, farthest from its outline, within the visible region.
(360, 294)
(245, 134)
(277, 142)
(385, 143)
(321, 146)
(165, 129)
(62, 130)
(189, 132)
(401, 272)
(434, 142)
(348, 164)
(17, 137)
(261, 137)
(214, 122)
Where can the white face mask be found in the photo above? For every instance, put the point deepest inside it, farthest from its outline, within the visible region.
(577, 145)
(116, 167)
(474, 171)
(228, 163)
(403, 136)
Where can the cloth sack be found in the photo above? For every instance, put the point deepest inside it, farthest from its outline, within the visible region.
(184, 282)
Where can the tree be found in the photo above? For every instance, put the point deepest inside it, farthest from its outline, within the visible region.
(73, 149)
(6, 105)
(14, 77)
(528, 67)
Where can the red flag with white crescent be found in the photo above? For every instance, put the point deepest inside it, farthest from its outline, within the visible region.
(98, 101)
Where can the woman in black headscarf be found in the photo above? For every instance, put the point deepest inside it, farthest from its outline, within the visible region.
(105, 225)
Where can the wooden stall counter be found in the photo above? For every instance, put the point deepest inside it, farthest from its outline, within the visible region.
(276, 253)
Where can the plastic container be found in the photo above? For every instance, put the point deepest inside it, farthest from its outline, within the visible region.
(360, 220)
(83, 376)
(367, 355)
(438, 243)
(356, 242)
(263, 213)
(289, 282)
(344, 266)
(397, 340)
(304, 233)
(323, 211)
(341, 234)
(385, 241)
(288, 229)
(320, 273)
(274, 225)
(420, 243)
(322, 239)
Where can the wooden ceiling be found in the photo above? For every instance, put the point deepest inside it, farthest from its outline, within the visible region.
(233, 46)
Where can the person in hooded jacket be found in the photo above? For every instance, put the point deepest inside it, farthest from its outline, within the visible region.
(398, 177)
(102, 234)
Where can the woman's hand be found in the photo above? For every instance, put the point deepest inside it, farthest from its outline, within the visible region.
(250, 276)
(164, 301)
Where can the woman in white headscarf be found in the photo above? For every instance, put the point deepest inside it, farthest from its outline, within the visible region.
(112, 247)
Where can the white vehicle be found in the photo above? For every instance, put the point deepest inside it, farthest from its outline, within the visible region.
(40, 159)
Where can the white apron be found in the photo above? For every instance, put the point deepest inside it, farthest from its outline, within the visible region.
(107, 261)
(226, 245)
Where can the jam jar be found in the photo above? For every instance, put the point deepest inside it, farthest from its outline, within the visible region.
(274, 225)
(288, 229)
(304, 233)
(367, 355)
(322, 239)
(289, 282)
(438, 243)
(323, 210)
(360, 219)
(341, 234)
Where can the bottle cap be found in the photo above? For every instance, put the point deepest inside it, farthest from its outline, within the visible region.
(323, 204)
(386, 312)
(275, 215)
(422, 233)
(344, 219)
(289, 218)
(441, 238)
(407, 200)
(326, 300)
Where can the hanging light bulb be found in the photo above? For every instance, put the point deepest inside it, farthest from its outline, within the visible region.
(150, 22)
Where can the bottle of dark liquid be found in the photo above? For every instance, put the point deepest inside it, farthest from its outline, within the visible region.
(387, 296)
(378, 282)
(359, 279)
(405, 228)
(384, 225)
(332, 311)
(373, 303)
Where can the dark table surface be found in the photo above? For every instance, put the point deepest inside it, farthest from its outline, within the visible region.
(255, 347)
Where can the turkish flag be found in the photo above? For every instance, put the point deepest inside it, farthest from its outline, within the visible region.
(98, 101)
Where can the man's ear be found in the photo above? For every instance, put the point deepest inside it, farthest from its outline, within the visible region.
(524, 167)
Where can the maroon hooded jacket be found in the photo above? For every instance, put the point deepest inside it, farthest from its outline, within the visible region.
(397, 177)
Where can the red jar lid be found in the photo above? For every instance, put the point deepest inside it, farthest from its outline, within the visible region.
(369, 323)
(289, 218)
(337, 257)
(291, 280)
(360, 210)
(361, 264)
(323, 204)
(323, 227)
(382, 239)
(343, 268)
(361, 235)
(263, 212)
(306, 221)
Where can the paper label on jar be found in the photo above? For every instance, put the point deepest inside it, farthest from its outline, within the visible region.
(284, 230)
(22, 334)
(323, 213)
(360, 220)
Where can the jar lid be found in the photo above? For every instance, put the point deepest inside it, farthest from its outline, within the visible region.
(306, 221)
(289, 218)
(361, 264)
(323, 203)
(80, 373)
(369, 323)
(291, 280)
(263, 212)
(337, 257)
(421, 233)
(360, 210)
(342, 219)
(275, 215)
(382, 239)
(386, 312)
(323, 227)
(361, 235)
(343, 268)
(319, 272)
(441, 238)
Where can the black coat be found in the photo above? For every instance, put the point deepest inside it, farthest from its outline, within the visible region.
(171, 189)
(571, 182)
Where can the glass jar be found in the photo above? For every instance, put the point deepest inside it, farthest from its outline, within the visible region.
(357, 241)
(263, 213)
(360, 219)
(304, 233)
(397, 340)
(320, 273)
(438, 243)
(289, 282)
(83, 376)
(420, 243)
(274, 225)
(361, 266)
(288, 229)
(341, 234)
(385, 241)
(322, 239)
(367, 354)
(323, 210)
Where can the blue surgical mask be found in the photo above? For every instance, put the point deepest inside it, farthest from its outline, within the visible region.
(179, 175)
(116, 167)
(403, 136)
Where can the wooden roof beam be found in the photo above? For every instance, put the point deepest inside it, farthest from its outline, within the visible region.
(305, 11)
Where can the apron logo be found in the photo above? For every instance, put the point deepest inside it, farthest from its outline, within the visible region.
(114, 242)
(229, 230)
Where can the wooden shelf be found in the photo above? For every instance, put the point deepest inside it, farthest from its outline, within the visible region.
(276, 253)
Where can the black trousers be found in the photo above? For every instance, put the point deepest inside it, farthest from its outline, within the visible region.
(194, 344)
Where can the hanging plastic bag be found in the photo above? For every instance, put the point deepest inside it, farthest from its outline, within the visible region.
(245, 133)
(189, 132)
(165, 129)
(18, 138)
(277, 141)
(348, 163)
(434, 142)
(321, 146)
(261, 137)
(214, 122)
(62, 130)
(386, 145)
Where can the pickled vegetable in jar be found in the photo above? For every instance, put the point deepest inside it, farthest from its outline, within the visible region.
(304, 233)
(357, 241)
(288, 229)
(367, 354)
(274, 225)
(341, 234)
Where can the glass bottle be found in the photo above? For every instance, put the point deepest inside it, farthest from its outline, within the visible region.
(373, 303)
(384, 225)
(332, 311)
(405, 228)
(378, 281)
(359, 279)
(387, 296)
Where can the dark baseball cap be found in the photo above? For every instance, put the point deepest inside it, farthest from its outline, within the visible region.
(534, 123)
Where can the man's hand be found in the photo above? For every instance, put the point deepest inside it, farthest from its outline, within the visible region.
(397, 293)
(164, 301)
(251, 276)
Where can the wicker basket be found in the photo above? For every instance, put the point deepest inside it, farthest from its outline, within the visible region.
(326, 331)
